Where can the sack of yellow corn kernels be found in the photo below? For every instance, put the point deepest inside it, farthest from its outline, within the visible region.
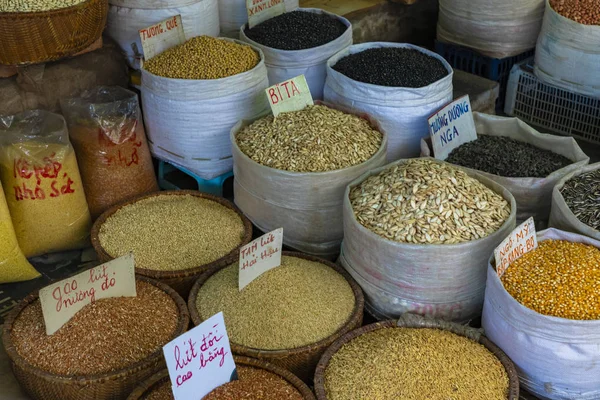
(41, 180)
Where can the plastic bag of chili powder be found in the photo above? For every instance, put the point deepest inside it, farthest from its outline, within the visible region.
(107, 132)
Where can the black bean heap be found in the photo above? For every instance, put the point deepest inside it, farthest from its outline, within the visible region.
(297, 30)
(582, 196)
(392, 66)
(503, 156)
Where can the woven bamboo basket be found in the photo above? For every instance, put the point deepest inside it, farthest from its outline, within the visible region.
(300, 361)
(37, 37)
(151, 383)
(416, 321)
(180, 280)
(41, 385)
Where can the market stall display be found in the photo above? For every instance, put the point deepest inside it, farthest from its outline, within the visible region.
(233, 14)
(107, 132)
(300, 43)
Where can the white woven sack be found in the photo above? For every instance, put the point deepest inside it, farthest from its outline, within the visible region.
(312, 63)
(561, 216)
(533, 195)
(233, 14)
(494, 28)
(127, 17)
(435, 280)
(556, 358)
(188, 121)
(402, 112)
(308, 205)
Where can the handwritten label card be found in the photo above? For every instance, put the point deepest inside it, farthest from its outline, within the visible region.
(452, 126)
(260, 256)
(520, 241)
(262, 10)
(61, 301)
(200, 360)
(290, 95)
(162, 36)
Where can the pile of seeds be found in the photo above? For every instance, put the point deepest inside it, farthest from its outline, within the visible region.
(297, 30)
(104, 336)
(392, 66)
(297, 304)
(504, 156)
(315, 139)
(582, 196)
(36, 5)
(203, 57)
(585, 12)
(427, 202)
(559, 278)
(162, 391)
(172, 232)
(414, 364)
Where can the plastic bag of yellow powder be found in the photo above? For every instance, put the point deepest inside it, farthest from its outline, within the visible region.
(41, 180)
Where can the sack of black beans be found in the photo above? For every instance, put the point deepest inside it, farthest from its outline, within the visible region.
(233, 14)
(400, 85)
(516, 156)
(575, 202)
(300, 43)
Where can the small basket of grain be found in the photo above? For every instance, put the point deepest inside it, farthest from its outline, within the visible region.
(288, 316)
(415, 357)
(175, 236)
(257, 379)
(101, 353)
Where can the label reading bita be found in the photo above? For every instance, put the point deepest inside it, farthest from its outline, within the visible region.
(61, 301)
(520, 241)
(262, 10)
(291, 95)
(451, 127)
(260, 256)
(162, 36)
(200, 360)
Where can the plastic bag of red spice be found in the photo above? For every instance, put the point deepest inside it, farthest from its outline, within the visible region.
(107, 132)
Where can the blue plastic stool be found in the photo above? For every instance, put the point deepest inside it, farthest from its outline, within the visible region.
(211, 186)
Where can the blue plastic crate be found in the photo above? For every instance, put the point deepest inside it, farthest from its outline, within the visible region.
(495, 69)
(211, 186)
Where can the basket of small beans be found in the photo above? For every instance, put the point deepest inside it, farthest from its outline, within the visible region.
(102, 352)
(38, 31)
(415, 358)
(288, 316)
(256, 380)
(174, 236)
(544, 312)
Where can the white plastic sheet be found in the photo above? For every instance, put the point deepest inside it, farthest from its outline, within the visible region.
(233, 14)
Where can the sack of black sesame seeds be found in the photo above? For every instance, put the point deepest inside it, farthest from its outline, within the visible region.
(533, 195)
(556, 358)
(233, 14)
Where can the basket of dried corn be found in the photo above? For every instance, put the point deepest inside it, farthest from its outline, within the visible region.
(256, 378)
(288, 316)
(103, 352)
(45, 30)
(415, 357)
(175, 235)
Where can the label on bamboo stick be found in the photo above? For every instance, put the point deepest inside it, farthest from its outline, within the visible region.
(521, 241)
(162, 36)
(451, 127)
(262, 10)
(260, 256)
(291, 95)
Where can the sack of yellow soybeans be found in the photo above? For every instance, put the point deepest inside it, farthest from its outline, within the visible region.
(41, 180)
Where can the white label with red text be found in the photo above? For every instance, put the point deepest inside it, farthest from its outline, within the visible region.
(520, 241)
(61, 300)
(290, 95)
(200, 360)
(260, 256)
(262, 10)
(162, 36)
(451, 127)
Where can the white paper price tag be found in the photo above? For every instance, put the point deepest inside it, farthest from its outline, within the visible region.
(522, 240)
(451, 127)
(291, 95)
(200, 360)
(262, 10)
(61, 300)
(162, 36)
(260, 256)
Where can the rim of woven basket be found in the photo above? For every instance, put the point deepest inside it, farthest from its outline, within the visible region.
(49, 13)
(227, 259)
(292, 379)
(319, 381)
(352, 321)
(83, 380)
